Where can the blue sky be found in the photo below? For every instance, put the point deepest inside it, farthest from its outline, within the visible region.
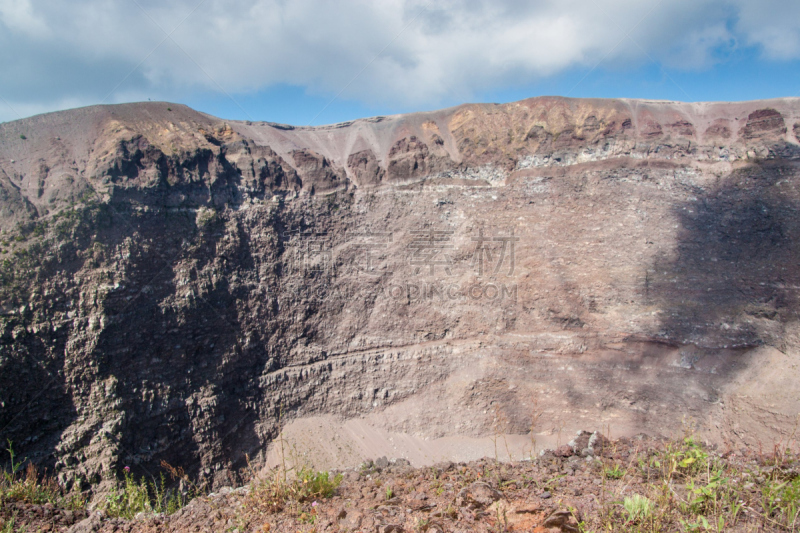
(316, 62)
(743, 77)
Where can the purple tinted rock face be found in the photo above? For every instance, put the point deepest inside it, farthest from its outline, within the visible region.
(176, 287)
(365, 168)
(763, 122)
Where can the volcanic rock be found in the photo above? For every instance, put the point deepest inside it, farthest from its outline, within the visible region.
(476, 281)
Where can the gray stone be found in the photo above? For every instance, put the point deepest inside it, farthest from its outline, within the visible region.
(478, 495)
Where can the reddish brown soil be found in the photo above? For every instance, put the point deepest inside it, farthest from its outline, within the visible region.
(568, 489)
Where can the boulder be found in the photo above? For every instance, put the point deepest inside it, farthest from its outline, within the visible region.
(478, 495)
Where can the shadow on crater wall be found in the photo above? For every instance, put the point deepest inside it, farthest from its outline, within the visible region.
(733, 277)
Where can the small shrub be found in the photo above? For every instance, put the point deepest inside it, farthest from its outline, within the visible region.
(28, 485)
(205, 217)
(22, 137)
(272, 495)
(142, 496)
(313, 484)
(128, 501)
(685, 459)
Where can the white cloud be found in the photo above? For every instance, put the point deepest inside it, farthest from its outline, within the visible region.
(19, 14)
(771, 24)
(52, 51)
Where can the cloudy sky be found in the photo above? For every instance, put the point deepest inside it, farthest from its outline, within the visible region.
(317, 61)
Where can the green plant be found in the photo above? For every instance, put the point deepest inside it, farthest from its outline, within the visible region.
(614, 472)
(15, 466)
(205, 217)
(272, 495)
(501, 520)
(583, 527)
(701, 523)
(638, 508)
(781, 501)
(9, 527)
(34, 488)
(178, 500)
(312, 484)
(309, 517)
(705, 497)
(685, 459)
(129, 500)
(141, 496)
(22, 137)
(552, 483)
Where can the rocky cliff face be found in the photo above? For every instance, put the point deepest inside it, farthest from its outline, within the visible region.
(177, 287)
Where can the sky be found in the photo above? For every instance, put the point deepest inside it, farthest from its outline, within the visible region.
(310, 62)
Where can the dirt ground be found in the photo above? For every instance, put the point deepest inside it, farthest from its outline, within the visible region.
(584, 485)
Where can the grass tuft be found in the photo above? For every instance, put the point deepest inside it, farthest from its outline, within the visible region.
(638, 508)
(27, 485)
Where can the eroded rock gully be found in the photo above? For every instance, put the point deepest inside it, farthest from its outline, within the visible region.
(177, 287)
